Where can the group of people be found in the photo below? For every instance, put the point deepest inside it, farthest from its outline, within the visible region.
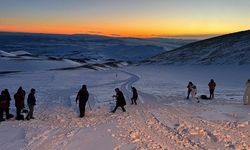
(19, 97)
(192, 89)
(83, 96)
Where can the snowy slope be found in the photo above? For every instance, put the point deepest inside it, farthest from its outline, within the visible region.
(227, 49)
(85, 47)
(164, 119)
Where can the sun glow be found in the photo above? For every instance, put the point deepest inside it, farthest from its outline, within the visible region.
(120, 18)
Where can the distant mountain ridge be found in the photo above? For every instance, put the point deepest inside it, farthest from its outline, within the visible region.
(87, 46)
(231, 48)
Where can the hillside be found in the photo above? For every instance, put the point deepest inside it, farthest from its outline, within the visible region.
(227, 49)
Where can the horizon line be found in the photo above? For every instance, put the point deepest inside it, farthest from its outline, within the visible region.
(181, 36)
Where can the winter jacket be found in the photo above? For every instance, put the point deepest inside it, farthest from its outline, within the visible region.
(23, 93)
(135, 94)
(246, 97)
(212, 85)
(31, 101)
(189, 86)
(194, 91)
(7, 94)
(82, 96)
(19, 100)
(120, 100)
(3, 102)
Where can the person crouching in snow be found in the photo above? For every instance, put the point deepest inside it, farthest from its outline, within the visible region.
(31, 101)
(189, 87)
(194, 93)
(120, 100)
(246, 97)
(82, 96)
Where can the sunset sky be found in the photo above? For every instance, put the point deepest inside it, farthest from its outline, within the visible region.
(137, 18)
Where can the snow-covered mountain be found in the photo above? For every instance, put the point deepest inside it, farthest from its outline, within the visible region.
(85, 47)
(227, 49)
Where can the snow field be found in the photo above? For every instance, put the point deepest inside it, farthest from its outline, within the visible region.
(163, 119)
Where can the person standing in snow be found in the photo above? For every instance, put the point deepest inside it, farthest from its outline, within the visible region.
(120, 100)
(19, 103)
(135, 96)
(3, 106)
(31, 101)
(189, 87)
(194, 93)
(23, 93)
(246, 97)
(211, 86)
(8, 98)
(82, 96)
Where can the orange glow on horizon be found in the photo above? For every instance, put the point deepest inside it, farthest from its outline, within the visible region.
(126, 18)
(136, 28)
(113, 33)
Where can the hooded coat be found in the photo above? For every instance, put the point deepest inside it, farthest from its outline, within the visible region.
(83, 96)
(246, 97)
(19, 100)
(120, 100)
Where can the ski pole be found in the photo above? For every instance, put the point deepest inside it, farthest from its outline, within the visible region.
(89, 106)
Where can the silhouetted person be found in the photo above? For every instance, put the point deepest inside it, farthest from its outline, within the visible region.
(31, 101)
(82, 96)
(23, 93)
(211, 86)
(135, 96)
(19, 103)
(120, 100)
(7, 94)
(4, 106)
(189, 87)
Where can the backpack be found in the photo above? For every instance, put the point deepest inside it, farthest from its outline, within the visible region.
(204, 97)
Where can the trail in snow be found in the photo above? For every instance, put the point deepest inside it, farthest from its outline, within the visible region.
(152, 125)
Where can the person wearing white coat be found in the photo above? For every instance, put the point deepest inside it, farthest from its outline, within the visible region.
(246, 97)
(194, 93)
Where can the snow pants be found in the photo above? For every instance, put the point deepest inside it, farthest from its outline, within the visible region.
(82, 106)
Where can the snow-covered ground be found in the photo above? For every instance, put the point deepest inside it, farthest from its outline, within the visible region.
(163, 119)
